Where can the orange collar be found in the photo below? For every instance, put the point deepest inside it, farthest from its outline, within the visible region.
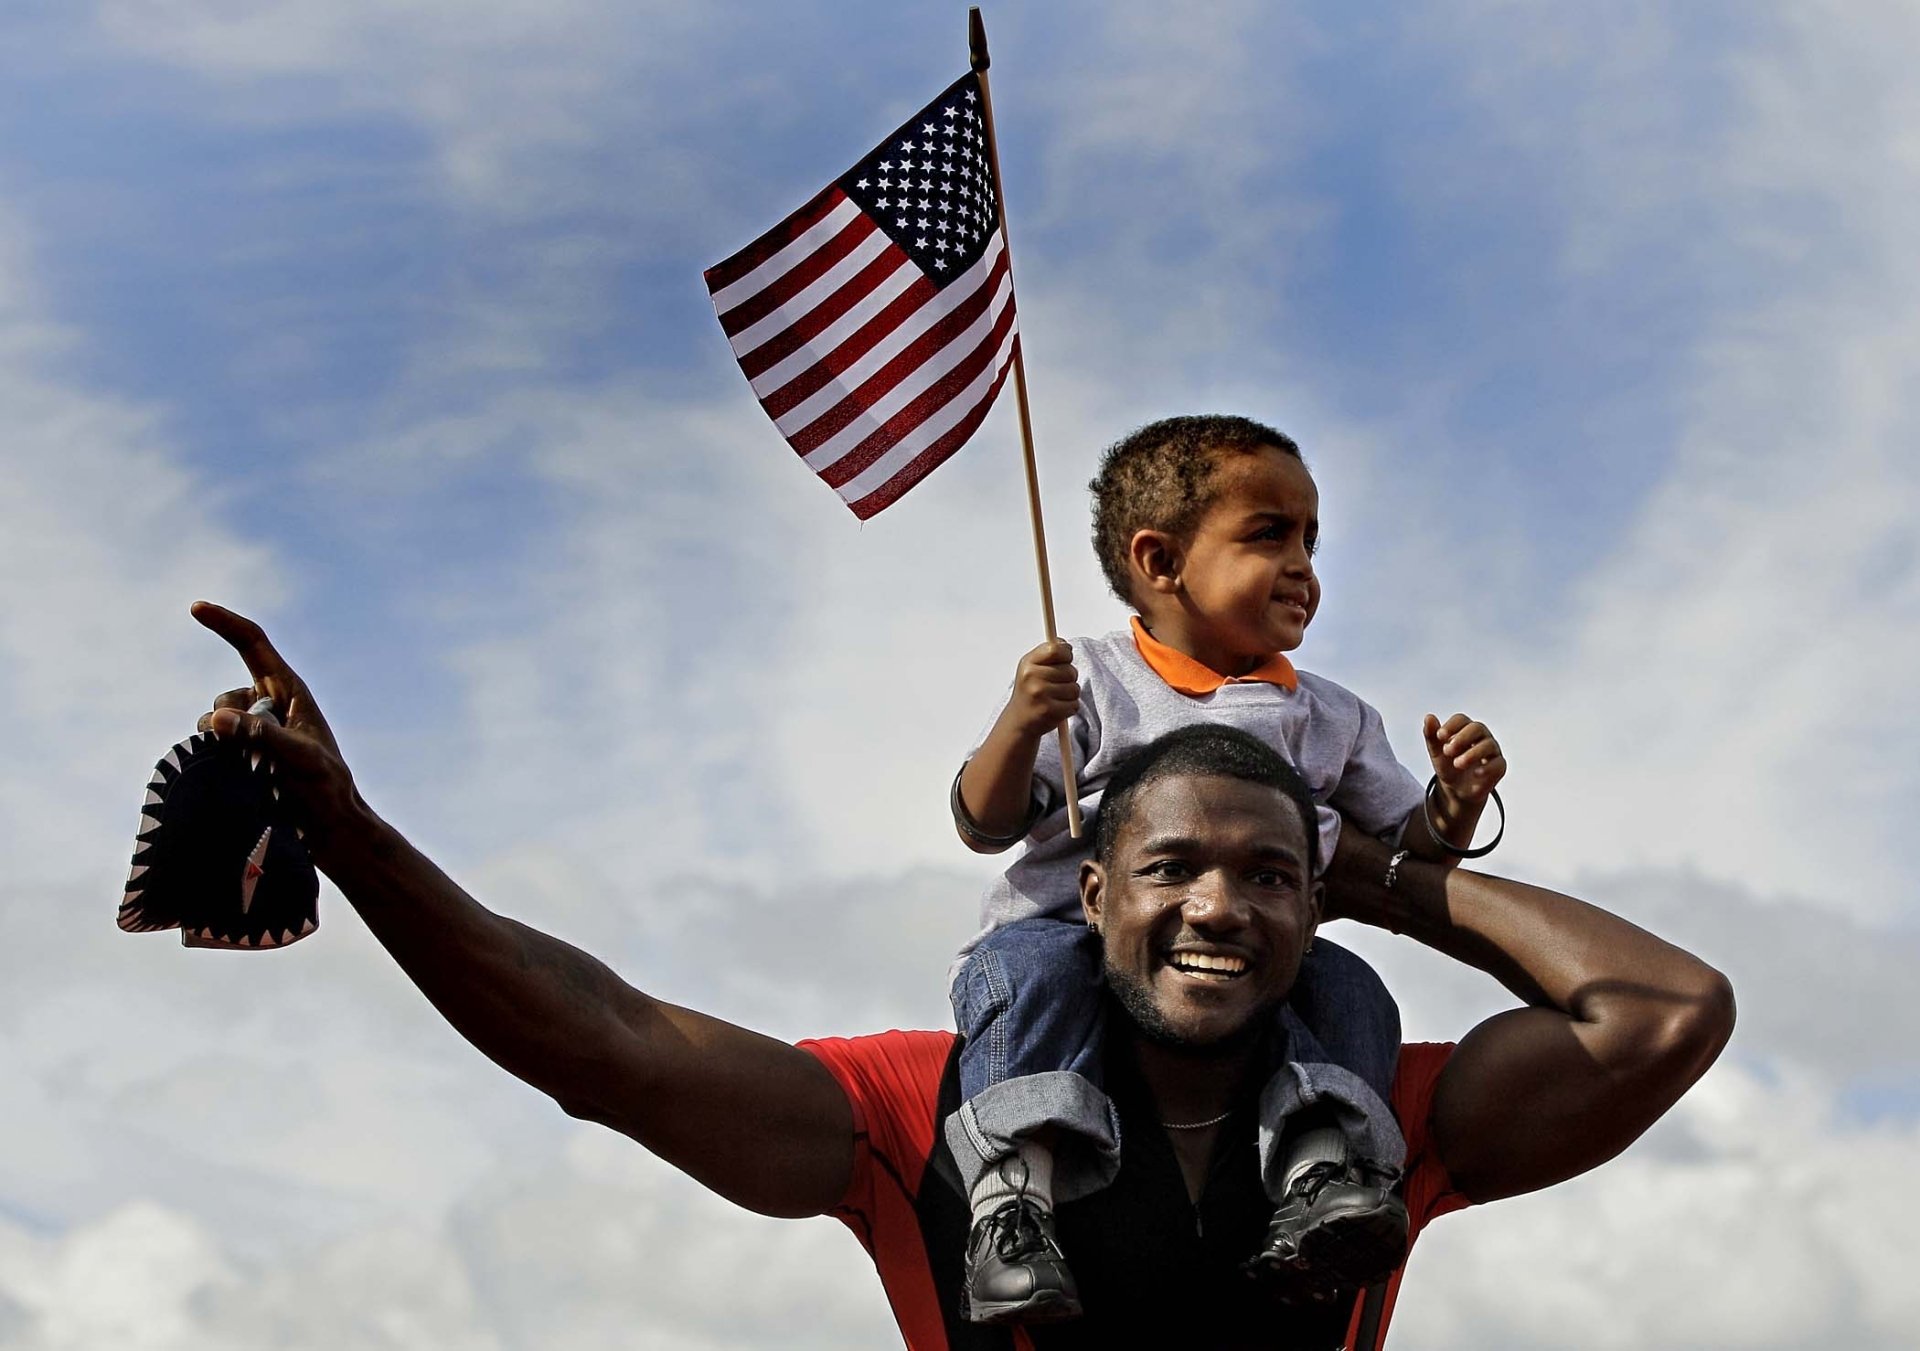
(1193, 677)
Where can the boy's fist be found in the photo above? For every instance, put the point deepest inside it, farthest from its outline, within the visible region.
(1046, 689)
(1466, 759)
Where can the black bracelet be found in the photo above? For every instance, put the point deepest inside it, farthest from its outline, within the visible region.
(974, 834)
(1433, 830)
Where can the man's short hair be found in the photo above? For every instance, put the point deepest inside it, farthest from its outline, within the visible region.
(1164, 477)
(1202, 750)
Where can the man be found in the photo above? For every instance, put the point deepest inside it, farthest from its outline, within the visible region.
(1203, 897)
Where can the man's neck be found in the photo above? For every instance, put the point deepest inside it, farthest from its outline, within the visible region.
(1193, 1092)
(1192, 1084)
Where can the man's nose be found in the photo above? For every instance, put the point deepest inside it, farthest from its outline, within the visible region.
(1214, 902)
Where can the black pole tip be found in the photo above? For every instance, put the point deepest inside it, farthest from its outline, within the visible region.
(977, 38)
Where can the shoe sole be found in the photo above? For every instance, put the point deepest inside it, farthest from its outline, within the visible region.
(1049, 1306)
(1346, 1251)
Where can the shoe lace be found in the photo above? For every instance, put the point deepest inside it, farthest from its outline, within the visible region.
(1313, 1179)
(1015, 1229)
(1014, 1226)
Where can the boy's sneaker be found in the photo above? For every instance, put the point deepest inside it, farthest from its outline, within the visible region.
(1015, 1273)
(1339, 1228)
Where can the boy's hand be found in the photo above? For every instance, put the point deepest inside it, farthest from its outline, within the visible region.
(1466, 759)
(1046, 690)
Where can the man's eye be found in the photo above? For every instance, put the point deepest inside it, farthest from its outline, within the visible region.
(1166, 869)
(1271, 877)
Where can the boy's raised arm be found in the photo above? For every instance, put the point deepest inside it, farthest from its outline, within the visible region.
(1619, 1023)
(993, 797)
(1467, 764)
(758, 1121)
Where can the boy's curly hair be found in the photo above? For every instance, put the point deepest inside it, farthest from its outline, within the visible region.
(1162, 477)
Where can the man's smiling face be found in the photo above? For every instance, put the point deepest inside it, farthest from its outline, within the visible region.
(1205, 906)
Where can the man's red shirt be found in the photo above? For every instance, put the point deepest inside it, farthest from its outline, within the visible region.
(905, 1208)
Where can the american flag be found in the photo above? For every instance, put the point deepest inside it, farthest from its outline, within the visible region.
(876, 323)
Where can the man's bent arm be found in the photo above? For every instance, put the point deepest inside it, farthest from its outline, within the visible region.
(758, 1121)
(1620, 1023)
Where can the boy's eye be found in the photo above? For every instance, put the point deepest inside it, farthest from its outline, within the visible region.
(1313, 544)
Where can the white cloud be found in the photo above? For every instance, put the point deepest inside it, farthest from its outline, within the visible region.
(1724, 688)
(1786, 1229)
(104, 539)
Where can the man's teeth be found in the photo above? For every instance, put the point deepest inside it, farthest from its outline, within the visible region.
(1210, 963)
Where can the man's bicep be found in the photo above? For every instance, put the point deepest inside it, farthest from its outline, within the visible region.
(759, 1121)
(1524, 1103)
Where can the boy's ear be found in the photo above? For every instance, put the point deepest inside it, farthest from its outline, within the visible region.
(1155, 559)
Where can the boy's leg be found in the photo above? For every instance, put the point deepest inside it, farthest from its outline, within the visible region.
(1330, 1149)
(1350, 1012)
(1035, 1126)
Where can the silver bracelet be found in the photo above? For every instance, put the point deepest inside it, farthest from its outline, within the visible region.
(1393, 868)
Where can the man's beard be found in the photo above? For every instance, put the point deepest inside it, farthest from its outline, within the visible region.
(1136, 1000)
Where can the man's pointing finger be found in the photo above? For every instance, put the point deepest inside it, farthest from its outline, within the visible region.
(245, 637)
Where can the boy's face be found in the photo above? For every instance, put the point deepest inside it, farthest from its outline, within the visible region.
(1246, 577)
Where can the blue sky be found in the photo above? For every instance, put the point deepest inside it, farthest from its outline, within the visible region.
(385, 323)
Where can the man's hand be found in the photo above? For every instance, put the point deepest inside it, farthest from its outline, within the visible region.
(301, 745)
(1046, 690)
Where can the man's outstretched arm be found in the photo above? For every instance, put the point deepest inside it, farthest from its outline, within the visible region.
(1618, 1025)
(758, 1121)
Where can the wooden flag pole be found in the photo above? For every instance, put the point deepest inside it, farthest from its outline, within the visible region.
(977, 51)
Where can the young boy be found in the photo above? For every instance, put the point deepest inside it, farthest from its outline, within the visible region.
(1207, 527)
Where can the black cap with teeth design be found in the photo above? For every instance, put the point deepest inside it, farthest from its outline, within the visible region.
(218, 856)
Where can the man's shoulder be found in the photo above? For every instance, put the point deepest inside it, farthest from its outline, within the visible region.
(908, 1056)
(892, 1076)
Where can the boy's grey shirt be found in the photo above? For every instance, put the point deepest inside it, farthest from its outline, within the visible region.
(1334, 738)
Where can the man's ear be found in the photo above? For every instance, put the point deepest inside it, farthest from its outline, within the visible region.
(1316, 907)
(1155, 559)
(1093, 892)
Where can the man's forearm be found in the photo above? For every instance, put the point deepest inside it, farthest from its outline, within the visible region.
(537, 1006)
